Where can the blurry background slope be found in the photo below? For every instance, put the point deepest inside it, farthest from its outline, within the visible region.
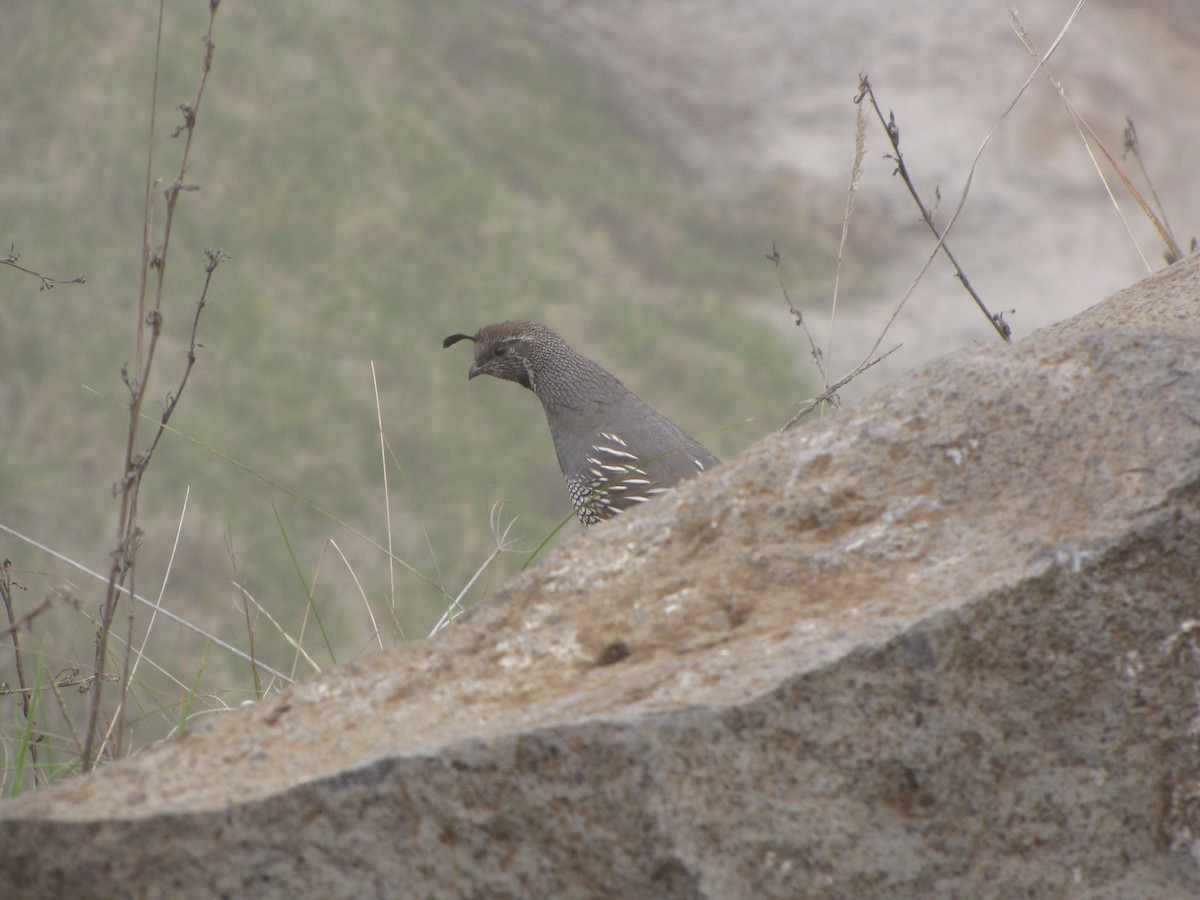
(384, 174)
(754, 91)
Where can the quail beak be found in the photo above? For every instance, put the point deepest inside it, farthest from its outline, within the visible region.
(473, 371)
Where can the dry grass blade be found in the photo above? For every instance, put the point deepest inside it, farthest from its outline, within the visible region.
(295, 644)
(162, 590)
(856, 169)
(162, 611)
(1173, 251)
(503, 543)
(376, 634)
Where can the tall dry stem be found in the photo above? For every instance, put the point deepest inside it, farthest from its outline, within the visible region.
(149, 329)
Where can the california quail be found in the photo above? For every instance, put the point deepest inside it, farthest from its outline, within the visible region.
(613, 449)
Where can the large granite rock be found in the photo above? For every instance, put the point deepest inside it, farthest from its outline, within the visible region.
(943, 644)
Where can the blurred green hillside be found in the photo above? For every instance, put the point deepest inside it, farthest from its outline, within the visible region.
(382, 175)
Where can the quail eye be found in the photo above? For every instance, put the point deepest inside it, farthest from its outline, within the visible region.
(502, 350)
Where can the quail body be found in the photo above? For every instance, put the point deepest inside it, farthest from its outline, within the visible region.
(613, 449)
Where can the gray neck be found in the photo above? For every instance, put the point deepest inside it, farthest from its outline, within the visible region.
(564, 380)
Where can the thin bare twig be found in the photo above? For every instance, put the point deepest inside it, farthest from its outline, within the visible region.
(48, 283)
(893, 133)
(72, 680)
(826, 395)
(19, 624)
(998, 321)
(122, 573)
(215, 258)
(27, 699)
(829, 394)
(798, 313)
(63, 706)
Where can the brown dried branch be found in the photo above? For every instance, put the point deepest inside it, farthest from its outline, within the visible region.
(48, 283)
(893, 133)
(129, 534)
(830, 393)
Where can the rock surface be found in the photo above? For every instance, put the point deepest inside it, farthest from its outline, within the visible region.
(945, 643)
